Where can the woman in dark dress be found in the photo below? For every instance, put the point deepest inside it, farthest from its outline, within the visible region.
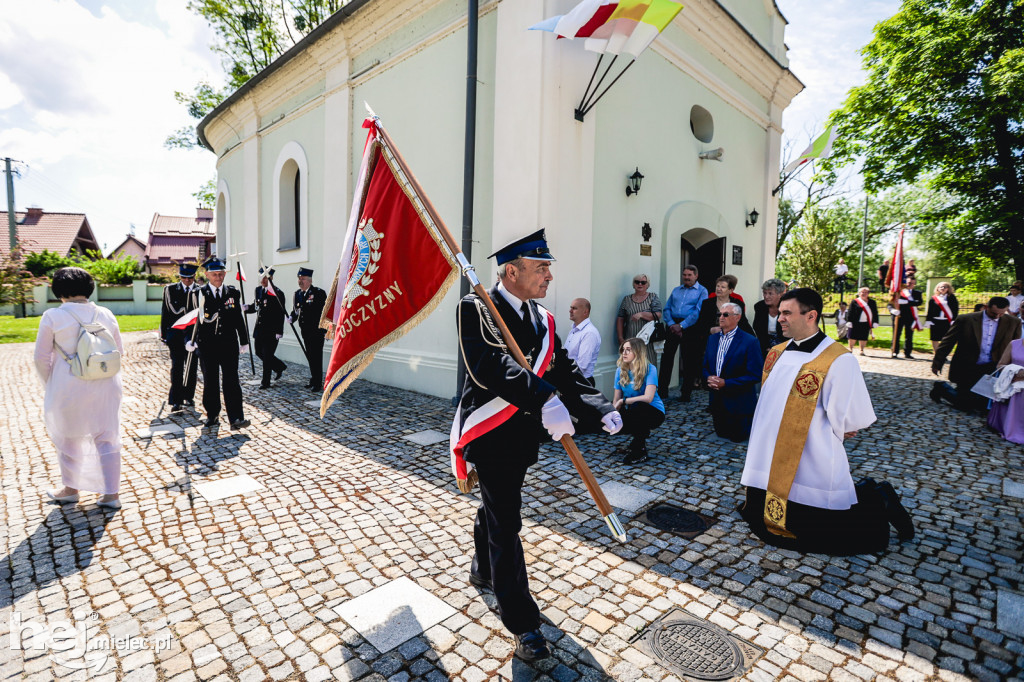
(707, 320)
(863, 317)
(942, 310)
(766, 314)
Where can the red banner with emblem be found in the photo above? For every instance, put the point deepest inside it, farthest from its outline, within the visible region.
(395, 268)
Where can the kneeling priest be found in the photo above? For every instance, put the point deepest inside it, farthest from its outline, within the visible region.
(800, 493)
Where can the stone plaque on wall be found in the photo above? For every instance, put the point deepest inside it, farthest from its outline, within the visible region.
(737, 255)
(645, 249)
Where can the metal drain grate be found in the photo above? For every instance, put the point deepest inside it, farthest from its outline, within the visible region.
(677, 520)
(697, 649)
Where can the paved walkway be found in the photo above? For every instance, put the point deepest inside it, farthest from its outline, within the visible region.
(266, 584)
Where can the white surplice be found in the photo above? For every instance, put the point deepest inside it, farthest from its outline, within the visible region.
(82, 417)
(823, 478)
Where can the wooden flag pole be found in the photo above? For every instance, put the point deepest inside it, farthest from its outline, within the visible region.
(469, 272)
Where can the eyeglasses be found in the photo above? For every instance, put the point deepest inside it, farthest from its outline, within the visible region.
(726, 314)
(626, 350)
(639, 282)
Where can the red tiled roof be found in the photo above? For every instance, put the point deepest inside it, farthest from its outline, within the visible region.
(163, 249)
(177, 226)
(57, 232)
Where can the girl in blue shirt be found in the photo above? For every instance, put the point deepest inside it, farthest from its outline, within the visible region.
(636, 398)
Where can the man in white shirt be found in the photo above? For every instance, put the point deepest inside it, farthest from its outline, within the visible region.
(584, 341)
(800, 492)
(1015, 298)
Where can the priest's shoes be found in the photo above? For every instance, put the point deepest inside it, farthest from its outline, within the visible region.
(897, 514)
(113, 503)
(531, 646)
(52, 494)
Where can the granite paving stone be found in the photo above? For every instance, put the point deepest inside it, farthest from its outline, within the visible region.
(278, 581)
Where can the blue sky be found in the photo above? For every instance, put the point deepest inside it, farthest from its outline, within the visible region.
(87, 98)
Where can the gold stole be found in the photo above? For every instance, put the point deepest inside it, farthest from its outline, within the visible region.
(789, 446)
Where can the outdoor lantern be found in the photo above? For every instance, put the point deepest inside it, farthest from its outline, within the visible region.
(634, 182)
(752, 218)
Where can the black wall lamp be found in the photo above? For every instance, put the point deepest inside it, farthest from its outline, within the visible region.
(752, 218)
(634, 182)
(646, 232)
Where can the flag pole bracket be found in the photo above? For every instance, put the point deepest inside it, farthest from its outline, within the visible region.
(578, 114)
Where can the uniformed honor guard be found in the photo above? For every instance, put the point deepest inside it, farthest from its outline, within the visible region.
(179, 298)
(268, 304)
(501, 451)
(307, 307)
(221, 337)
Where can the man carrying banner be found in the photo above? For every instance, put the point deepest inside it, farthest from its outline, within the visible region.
(502, 417)
(800, 493)
(909, 300)
(221, 337)
(307, 307)
(179, 298)
(268, 304)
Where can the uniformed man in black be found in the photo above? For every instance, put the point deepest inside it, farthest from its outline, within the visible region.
(179, 298)
(221, 337)
(502, 454)
(307, 307)
(269, 309)
(909, 299)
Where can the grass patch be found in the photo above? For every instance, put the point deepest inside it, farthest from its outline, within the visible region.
(24, 330)
(883, 338)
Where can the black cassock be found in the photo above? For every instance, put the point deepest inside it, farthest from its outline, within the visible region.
(221, 332)
(176, 303)
(502, 456)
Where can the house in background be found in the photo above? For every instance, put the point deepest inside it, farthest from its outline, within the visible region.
(134, 247)
(173, 239)
(62, 233)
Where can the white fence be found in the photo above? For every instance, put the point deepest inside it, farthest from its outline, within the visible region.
(140, 298)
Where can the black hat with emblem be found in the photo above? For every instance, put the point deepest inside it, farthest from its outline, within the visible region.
(305, 272)
(532, 247)
(214, 264)
(187, 270)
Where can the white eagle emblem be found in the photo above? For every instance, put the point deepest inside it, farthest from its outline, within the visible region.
(365, 255)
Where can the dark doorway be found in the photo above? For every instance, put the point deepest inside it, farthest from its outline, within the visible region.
(709, 259)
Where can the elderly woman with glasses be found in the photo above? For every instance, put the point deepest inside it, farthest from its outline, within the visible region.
(636, 310)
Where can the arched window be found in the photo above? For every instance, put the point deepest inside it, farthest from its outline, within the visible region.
(291, 192)
(290, 222)
(222, 246)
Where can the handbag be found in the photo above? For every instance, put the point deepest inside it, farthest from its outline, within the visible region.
(659, 333)
(986, 386)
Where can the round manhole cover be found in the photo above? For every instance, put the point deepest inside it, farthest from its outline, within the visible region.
(676, 520)
(698, 651)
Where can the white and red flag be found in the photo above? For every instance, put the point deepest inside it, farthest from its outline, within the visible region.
(395, 266)
(240, 274)
(186, 320)
(894, 277)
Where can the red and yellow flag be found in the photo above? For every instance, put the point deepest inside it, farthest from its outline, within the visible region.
(395, 267)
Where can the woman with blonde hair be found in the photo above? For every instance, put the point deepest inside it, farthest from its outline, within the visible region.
(942, 310)
(82, 415)
(636, 397)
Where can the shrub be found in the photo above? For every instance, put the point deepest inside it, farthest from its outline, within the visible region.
(45, 262)
(120, 270)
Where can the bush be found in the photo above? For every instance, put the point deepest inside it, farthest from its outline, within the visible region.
(156, 278)
(120, 270)
(44, 263)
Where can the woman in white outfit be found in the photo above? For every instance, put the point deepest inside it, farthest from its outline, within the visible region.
(81, 416)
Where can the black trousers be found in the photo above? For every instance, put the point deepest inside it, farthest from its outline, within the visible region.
(689, 361)
(220, 358)
(266, 346)
(313, 339)
(182, 389)
(905, 325)
(962, 398)
(735, 427)
(499, 552)
(639, 419)
(861, 529)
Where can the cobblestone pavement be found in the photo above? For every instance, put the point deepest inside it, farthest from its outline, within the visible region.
(247, 587)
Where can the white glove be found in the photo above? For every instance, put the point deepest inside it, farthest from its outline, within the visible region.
(190, 346)
(243, 349)
(277, 336)
(556, 419)
(291, 319)
(612, 422)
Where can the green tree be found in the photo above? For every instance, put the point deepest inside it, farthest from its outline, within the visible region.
(943, 104)
(120, 270)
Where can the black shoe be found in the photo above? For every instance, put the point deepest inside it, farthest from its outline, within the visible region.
(239, 424)
(478, 581)
(176, 409)
(936, 392)
(636, 455)
(908, 356)
(212, 421)
(684, 397)
(264, 386)
(895, 356)
(315, 388)
(896, 513)
(188, 403)
(531, 646)
(278, 373)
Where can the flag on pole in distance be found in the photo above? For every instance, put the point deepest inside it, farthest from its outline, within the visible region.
(821, 148)
(395, 268)
(894, 277)
(186, 320)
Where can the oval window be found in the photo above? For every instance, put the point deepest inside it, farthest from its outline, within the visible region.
(701, 124)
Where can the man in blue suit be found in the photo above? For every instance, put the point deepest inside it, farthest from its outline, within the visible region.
(732, 368)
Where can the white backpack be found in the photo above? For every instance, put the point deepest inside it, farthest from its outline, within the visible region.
(97, 356)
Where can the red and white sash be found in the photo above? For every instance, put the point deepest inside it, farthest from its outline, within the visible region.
(945, 308)
(867, 311)
(495, 412)
(905, 293)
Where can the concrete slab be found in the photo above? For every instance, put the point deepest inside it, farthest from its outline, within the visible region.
(312, 403)
(158, 430)
(627, 497)
(1010, 613)
(428, 437)
(394, 613)
(1012, 488)
(253, 382)
(228, 487)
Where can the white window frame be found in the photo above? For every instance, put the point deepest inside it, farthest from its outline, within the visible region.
(292, 151)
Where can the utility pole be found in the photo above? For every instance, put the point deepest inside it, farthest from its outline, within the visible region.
(12, 225)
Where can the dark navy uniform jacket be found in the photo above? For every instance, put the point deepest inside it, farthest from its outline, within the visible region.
(308, 306)
(269, 312)
(222, 319)
(176, 303)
